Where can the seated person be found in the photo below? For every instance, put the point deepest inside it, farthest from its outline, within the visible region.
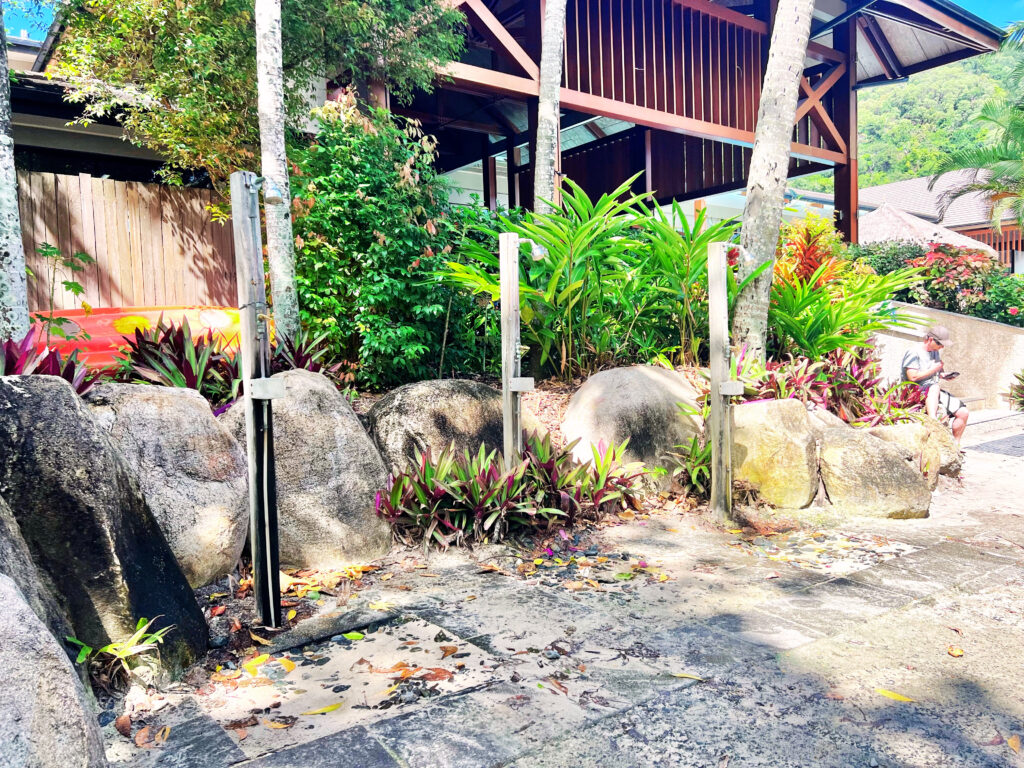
(923, 365)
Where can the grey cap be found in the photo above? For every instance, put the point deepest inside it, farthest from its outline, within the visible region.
(941, 334)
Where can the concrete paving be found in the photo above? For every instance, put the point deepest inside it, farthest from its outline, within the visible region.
(705, 650)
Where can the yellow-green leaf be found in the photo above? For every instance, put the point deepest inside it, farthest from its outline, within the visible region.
(287, 664)
(353, 635)
(892, 695)
(252, 666)
(323, 710)
(291, 614)
(687, 676)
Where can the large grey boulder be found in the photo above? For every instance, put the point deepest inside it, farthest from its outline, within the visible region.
(640, 403)
(773, 449)
(191, 469)
(86, 523)
(868, 477)
(328, 472)
(920, 448)
(435, 414)
(45, 716)
(16, 563)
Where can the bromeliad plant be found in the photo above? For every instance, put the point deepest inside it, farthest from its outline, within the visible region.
(21, 358)
(462, 500)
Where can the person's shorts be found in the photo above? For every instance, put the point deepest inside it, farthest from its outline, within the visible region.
(950, 403)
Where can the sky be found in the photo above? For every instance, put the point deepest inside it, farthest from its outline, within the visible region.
(999, 12)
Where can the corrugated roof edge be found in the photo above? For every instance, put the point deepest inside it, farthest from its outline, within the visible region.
(955, 10)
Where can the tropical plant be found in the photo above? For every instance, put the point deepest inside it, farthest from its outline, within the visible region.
(374, 227)
(1017, 391)
(24, 357)
(693, 462)
(847, 383)
(577, 290)
(678, 264)
(953, 278)
(111, 666)
(812, 321)
(169, 354)
(454, 499)
(806, 246)
(59, 265)
(472, 498)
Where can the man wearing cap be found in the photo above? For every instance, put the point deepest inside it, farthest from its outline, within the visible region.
(923, 366)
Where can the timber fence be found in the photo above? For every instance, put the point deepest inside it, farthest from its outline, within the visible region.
(153, 245)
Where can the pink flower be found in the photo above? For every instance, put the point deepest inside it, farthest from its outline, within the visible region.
(1013, 310)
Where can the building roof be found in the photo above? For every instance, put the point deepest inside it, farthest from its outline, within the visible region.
(890, 223)
(914, 197)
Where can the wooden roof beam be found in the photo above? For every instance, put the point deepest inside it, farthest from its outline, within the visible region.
(880, 47)
(500, 39)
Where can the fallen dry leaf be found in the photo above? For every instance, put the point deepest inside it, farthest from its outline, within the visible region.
(436, 673)
(955, 651)
(834, 695)
(279, 723)
(245, 722)
(558, 685)
(123, 725)
(236, 625)
(1014, 743)
(162, 734)
(957, 630)
(258, 639)
(217, 610)
(688, 676)
(287, 664)
(323, 710)
(892, 695)
(252, 666)
(241, 733)
(448, 650)
(387, 577)
(291, 614)
(143, 739)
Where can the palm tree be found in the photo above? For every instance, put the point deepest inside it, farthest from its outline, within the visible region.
(769, 170)
(548, 105)
(995, 170)
(276, 196)
(14, 322)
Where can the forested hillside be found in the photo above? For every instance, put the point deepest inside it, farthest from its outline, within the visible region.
(905, 128)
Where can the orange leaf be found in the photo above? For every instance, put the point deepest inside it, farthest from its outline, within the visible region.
(241, 733)
(955, 651)
(123, 725)
(217, 610)
(436, 673)
(236, 625)
(448, 650)
(1014, 743)
(142, 738)
(558, 685)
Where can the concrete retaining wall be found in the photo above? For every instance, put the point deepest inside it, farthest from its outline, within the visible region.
(987, 354)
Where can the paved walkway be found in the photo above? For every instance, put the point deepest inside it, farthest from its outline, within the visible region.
(697, 648)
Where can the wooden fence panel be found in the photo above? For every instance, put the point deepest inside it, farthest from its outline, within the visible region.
(153, 246)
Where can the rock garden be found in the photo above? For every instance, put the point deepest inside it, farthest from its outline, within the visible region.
(125, 543)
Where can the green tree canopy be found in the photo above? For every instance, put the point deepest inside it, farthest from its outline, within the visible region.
(181, 75)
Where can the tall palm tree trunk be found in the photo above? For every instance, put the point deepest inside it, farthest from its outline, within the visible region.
(276, 192)
(548, 105)
(13, 287)
(769, 169)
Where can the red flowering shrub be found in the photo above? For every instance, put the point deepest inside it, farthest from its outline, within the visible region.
(955, 279)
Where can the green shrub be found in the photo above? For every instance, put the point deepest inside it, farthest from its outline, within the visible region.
(888, 255)
(1004, 300)
(373, 227)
